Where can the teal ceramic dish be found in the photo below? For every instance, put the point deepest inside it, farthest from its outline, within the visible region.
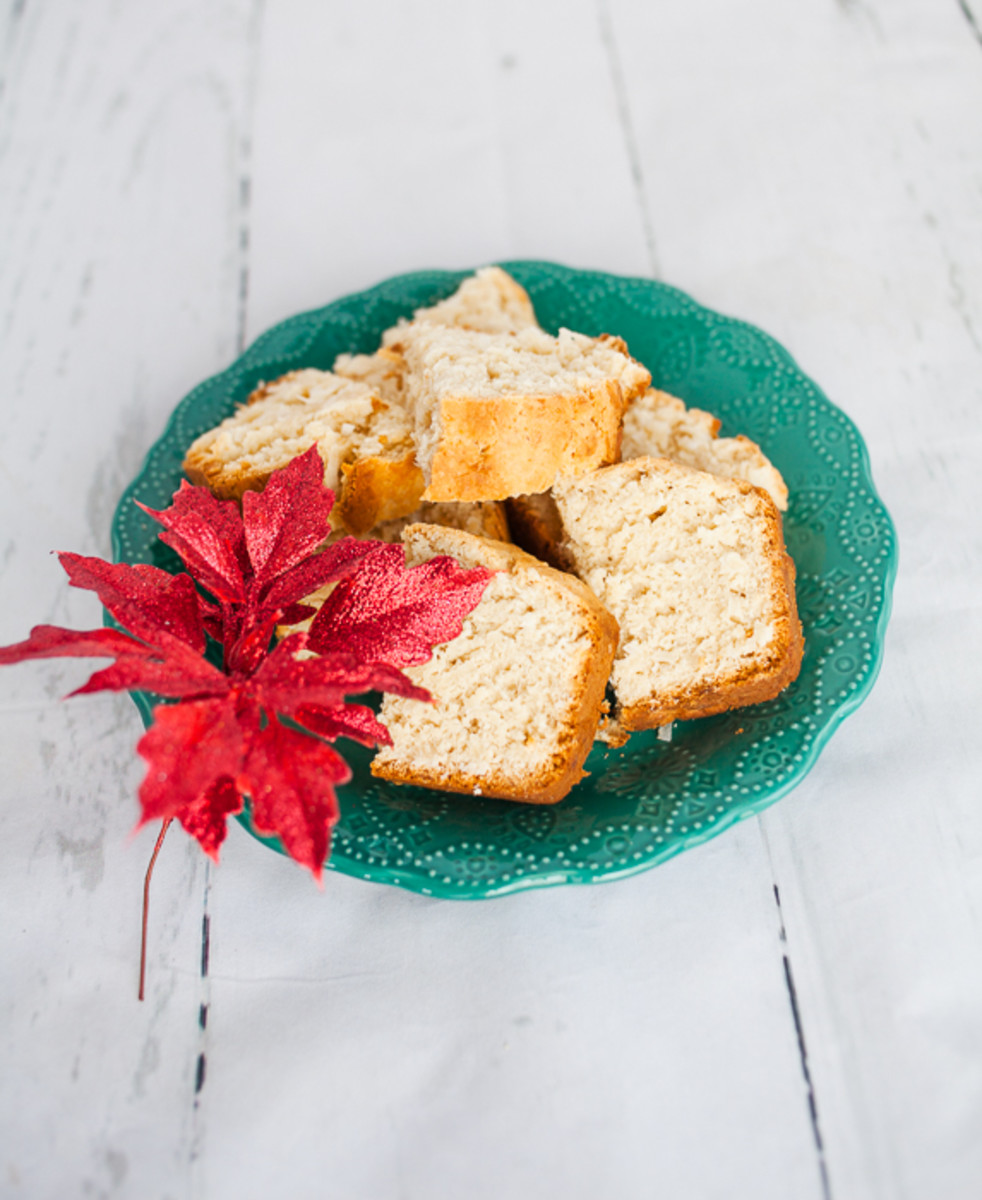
(652, 799)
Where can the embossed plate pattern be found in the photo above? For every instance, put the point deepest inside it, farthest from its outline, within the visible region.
(652, 799)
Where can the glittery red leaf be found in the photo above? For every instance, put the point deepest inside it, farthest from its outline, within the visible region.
(145, 599)
(51, 641)
(181, 673)
(289, 519)
(355, 721)
(335, 562)
(290, 779)
(286, 683)
(388, 613)
(188, 749)
(208, 535)
(261, 564)
(178, 677)
(222, 516)
(223, 739)
(206, 818)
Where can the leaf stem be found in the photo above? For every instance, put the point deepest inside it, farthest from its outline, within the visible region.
(146, 904)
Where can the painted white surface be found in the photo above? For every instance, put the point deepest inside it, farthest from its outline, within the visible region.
(176, 177)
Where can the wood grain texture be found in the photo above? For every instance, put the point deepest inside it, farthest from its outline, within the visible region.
(789, 1010)
(121, 137)
(479, 138)
(580, 1039)
(849, 153)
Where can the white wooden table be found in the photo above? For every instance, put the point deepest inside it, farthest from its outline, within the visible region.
(793, 1009)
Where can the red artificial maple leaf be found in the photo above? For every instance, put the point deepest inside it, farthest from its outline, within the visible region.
(223, 739)
(386, 613)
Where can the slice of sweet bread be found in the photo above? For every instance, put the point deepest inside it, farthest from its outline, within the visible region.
(500, 414)
(355, 413)
(656, 425)
(694, 569)
(489, 301)
(382, 371)
(661, 426)
(518, 694)
(364, 440)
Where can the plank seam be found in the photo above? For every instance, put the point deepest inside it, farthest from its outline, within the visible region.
(970, 18)
(241, 329)
(627, 128)
(802, 1051)
(245, 178)
(204, 1004)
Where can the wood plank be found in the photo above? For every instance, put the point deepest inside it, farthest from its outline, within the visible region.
(564, 156)
(401, 138)
(120, 155)
(846, 142)
(617, 1040)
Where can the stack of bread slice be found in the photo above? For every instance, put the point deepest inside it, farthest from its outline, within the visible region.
(469, 401)
(653, 557)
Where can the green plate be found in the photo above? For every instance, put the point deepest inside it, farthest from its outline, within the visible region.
(652, 799)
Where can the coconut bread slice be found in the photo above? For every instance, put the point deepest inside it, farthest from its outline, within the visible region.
(694, 569)
(500, 414)
(489, 301)
(364, 440)
(382, 371)
(661, 426)
(518, 694)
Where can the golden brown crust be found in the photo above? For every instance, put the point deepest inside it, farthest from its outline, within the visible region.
(491, 449)
(553, 781)
(549, 786)
(210, 471)
(378, 489)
